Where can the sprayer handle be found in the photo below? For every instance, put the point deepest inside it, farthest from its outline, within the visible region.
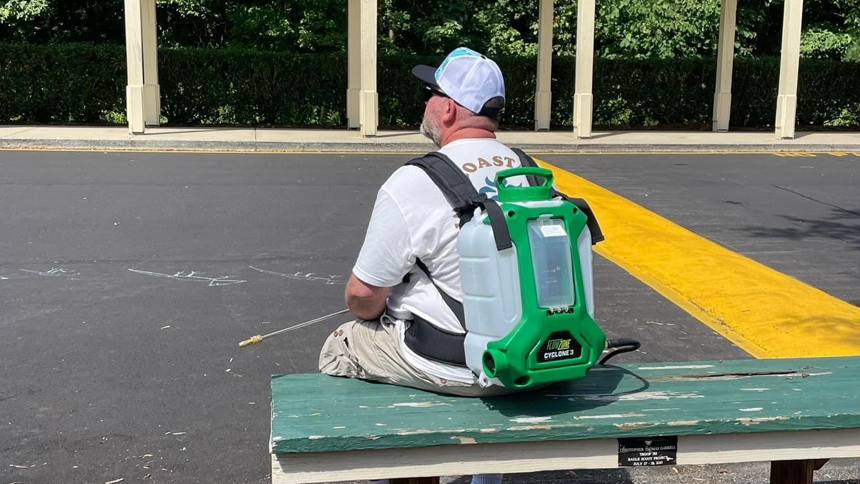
(523, 171)
(528, 192)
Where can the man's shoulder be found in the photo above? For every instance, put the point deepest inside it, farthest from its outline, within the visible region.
(406, 173)
(406, 181)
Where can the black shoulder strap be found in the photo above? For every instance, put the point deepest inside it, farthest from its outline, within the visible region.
(453, 304)
(593, 226)
(462, 196)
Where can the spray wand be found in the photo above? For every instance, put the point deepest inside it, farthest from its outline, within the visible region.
(256, 339)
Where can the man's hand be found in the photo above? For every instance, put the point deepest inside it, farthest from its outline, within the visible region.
(365, 301)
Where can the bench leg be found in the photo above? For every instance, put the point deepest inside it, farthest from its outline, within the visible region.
(416, 480)
(792, 471)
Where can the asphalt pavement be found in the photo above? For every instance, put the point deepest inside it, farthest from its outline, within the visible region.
(128, 279)
(797, 214)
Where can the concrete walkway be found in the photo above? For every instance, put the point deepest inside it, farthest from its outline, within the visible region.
(342, 140)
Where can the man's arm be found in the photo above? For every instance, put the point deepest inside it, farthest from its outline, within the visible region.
(365, 301)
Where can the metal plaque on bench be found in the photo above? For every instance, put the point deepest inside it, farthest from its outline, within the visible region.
(647, 451)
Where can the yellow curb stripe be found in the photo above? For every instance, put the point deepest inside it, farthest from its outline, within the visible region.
(765, 312)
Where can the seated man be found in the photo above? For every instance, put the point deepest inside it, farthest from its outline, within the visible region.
(412, 234)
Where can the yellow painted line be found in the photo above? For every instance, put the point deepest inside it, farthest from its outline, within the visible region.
(765, 312)
(796, 154)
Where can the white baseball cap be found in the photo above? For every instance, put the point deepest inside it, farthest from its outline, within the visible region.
(469, 78)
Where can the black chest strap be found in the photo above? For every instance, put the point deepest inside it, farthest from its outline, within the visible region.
(427, 340)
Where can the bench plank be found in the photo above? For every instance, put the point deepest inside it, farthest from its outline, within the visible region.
(442, 460)
(317, 413)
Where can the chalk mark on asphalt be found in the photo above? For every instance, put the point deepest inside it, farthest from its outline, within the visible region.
(56, 272)
(191, 276)
(194, 276)
(301, 276)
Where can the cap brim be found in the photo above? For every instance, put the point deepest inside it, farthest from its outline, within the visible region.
(426, 73)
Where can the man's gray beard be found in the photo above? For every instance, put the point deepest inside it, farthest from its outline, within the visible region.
(432, 134)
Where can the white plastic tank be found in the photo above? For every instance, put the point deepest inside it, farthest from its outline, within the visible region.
(491, 283)
(491, 291)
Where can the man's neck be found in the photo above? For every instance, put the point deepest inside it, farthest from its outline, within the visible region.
(465, 133)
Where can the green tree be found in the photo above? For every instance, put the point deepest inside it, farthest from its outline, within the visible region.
(661, 28)
(54, 21)
(624, 28)
(291, 26)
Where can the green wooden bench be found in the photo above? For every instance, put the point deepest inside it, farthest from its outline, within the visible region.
(795, 413)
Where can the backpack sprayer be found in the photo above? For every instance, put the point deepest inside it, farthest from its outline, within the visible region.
(530, 307)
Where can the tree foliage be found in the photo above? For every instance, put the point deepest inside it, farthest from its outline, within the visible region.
(624, 28)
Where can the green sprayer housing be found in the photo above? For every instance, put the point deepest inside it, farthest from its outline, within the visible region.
(556, 338)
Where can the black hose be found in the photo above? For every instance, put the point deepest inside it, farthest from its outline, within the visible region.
(620, 345)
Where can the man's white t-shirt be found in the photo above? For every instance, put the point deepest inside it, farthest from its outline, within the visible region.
(412, 220)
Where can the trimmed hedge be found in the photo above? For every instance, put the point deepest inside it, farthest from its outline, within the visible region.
(75, 83)
(63, 83)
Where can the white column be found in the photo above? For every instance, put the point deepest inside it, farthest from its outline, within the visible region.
(725, 59)
(151, 89)
(786, 102)
(543, 96)
(582, 99)
(353, 48)
(368, 102)
(134, 59)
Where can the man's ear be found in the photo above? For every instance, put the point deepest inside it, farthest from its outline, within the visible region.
(449, 113)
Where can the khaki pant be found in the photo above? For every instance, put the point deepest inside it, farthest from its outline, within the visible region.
(370, 350)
